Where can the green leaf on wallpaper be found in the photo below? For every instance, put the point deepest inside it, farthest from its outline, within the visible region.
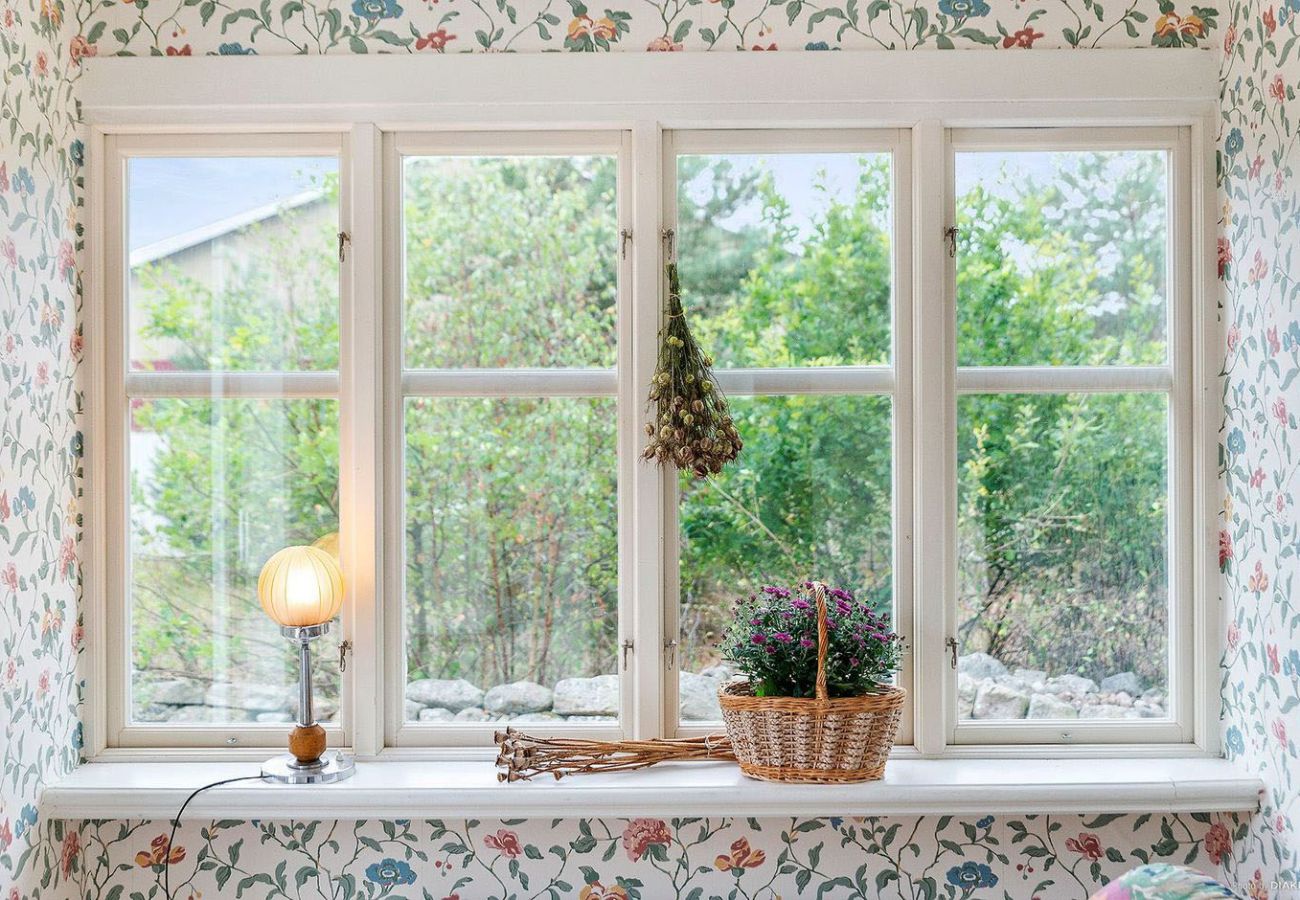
(793, 9)
(682, 30)
(356, 45)
(389, 37)
(1096, 8)
(801, 880)
(289, 9)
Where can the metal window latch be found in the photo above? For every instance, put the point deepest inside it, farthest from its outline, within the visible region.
(344, 240)
(951, 644)
(627, 648)
(951, 234)
(625, 238)
(344, 649)
(668, 236)
(670, 652)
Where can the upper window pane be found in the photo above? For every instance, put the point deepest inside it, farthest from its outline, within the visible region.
(233, 263)
(510, 262)
(1062, 257)
(785, 259)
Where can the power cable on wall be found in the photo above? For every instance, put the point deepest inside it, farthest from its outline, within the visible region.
(167, 860)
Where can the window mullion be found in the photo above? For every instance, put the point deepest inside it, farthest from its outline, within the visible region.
(934, 454)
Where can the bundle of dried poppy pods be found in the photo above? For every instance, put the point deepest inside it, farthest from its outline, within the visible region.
(693, 429)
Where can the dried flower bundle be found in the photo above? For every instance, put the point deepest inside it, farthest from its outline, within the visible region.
(692, 429)
(522, 756)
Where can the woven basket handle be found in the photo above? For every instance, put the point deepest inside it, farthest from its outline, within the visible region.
(823, 639)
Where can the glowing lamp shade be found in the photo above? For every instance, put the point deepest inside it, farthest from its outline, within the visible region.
(301, 586)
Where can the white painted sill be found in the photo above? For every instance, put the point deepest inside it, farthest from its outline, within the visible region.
(460, 788)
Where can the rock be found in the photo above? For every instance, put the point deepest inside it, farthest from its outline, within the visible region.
(274, 717)
(252, 697)
(535, 717)
(590, 718)
(451, 694)
(1075, 685)
(1000, 701)
(981, 665)
(1049, 706)
(436, 714)
(698, 698)
(413, 710)
(596, 696)
(1102, 711)
(176, 692)
(1144, 712)
(473, 714)
(967, 688)
(1035, 678)
(152, 712)
(719, 673)
(519, 697)
(209, 715)
(1128, 682)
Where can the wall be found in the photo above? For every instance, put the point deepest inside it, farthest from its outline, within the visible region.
(40, 446)
(1028, 857)
(1259, 263)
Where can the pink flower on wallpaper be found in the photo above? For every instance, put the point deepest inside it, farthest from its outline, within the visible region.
(1234, 336)
(1218, 843)
(9, 576)
(1234, 636)
(1258, 270)
(1256, 166)
(1274, 345)
(1229, 39)
(9, 251)
(1257, 478)
(1273, 663)
(71, 847)
(1280, 502)
(76, 343)
(1277, 180)
(505, 841)
(1225, 255)
(4, 177)
(43, 684)
(1279, 732)
(42, 374)
(76, 636)
(79, 48)
(1259, 581)
(642, 834)
(1270, 20)
(4, 506)
(1279, 412)
(663, 44)
(1025, 38)
(11, 671)
(1277, 88)
(1225, 548)
(67, 556)
(1085, 844)
(42, 63)
(67, 260)
(6, 836)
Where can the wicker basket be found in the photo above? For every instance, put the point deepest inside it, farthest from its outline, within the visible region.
(819, 740)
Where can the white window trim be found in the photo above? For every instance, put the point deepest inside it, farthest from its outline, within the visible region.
(643, 96)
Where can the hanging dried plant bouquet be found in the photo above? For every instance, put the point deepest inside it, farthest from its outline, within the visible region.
(692, 429)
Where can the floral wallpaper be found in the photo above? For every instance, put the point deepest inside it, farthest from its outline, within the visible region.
(1259, 527)
(41, 449)
(40, 444)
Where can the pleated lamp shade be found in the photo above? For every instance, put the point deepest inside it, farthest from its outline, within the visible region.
(301, 586)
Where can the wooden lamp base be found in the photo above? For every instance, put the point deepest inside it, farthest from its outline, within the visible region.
(307, 744)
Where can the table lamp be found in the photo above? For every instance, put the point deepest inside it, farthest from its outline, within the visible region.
(301, 588)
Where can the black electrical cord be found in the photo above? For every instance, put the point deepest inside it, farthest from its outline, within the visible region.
(167, 860)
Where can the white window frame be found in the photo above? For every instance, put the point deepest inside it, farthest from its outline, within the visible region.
(921, 98)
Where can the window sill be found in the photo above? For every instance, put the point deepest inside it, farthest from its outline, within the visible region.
(458, 788)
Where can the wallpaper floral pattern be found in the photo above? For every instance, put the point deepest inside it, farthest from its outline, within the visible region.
(40, 444)
(1259, 536)
(41, 450)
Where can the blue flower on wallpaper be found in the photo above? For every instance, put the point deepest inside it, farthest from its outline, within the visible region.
(23, 182)
(377, 9)
(77, 444)
(817, 45)
(24, 501)
(1236, 441)
(963, 8)
(26, 819)
(985, 822)
(1236, 743)
(234, 48)
(78, 738)
(77, 152)
(1232, 146)
(971, 875)
(389, 872)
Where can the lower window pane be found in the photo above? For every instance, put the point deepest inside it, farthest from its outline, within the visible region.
(809, 497)
(511, 560)
(217, 486)
(1062, 572)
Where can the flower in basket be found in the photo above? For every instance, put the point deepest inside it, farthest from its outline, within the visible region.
(773, 641)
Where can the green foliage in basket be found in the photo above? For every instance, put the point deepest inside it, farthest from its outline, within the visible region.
(773, 641)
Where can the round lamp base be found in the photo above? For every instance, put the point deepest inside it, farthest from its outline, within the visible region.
(331, 767)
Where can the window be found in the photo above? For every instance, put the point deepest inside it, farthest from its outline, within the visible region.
(961, 361)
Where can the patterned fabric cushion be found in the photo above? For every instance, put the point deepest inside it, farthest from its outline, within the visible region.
(1163, 882)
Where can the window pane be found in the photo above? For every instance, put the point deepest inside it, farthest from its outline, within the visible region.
(217, 486)
(810, 497)
(511, 559)
(1062, 549)
(785, 259)
(510, 261)
(1062, 257)
(233, 263)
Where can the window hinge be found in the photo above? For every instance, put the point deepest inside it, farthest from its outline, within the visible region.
(628, 646)
(951, 234)
(344, 240)
(670, 652)
(625, 238)
(951, 644)
(669, 238)
(344, 649)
